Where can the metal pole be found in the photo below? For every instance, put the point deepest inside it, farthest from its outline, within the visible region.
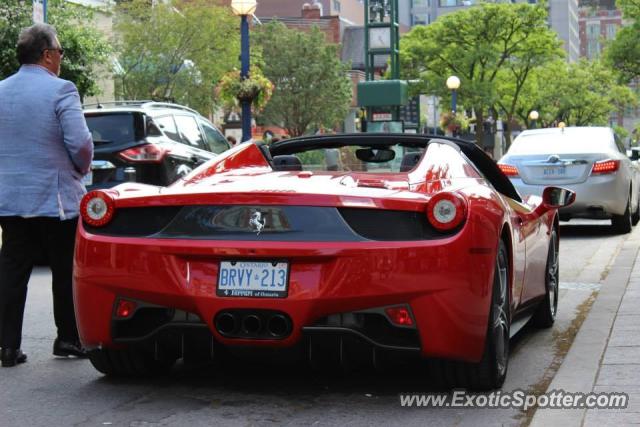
(244, 74)
(454, 99)
(533, 124)
(44, 11)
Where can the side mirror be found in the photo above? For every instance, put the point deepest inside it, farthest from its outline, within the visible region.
(554, 198)
(557, 197)
(635, 154)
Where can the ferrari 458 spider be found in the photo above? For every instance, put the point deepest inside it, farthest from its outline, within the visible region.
(343, 249)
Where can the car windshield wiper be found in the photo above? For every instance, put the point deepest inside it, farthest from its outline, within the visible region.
(102, 141)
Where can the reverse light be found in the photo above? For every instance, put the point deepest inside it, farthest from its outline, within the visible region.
(148, 153)
(97, 208)
(399, 316)
(446, 211)
(508, 170)
(125, 308)
(605, 166)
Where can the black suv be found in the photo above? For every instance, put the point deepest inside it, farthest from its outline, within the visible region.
(149, 142)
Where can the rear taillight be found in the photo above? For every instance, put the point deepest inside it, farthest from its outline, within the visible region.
(446, 211)
(148, 153)
(508, 170)
(605, 166)
(97, 208)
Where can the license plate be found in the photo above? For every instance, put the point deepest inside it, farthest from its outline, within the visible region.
(87, 179)
(555, 171)
(254, 279)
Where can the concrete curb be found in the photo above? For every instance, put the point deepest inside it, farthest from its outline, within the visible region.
(580, 367)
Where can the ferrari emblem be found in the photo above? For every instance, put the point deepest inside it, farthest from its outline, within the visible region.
(257, 222)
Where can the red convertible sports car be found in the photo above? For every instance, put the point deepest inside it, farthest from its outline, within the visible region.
(344, 249)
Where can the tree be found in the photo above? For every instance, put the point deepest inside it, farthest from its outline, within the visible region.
(483, 46)
(580, 94)
(623, 53)
(85, 48)
(175, 51)
(312, 87)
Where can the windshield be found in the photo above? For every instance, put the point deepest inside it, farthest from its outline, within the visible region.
(569, 141)
(394, 159)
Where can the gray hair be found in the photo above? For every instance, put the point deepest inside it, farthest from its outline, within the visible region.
(33, 41)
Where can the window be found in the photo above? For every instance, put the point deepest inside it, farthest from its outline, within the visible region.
(112, 128)
(168, 126)
(611, 31)
(188, 128)
(217, 142)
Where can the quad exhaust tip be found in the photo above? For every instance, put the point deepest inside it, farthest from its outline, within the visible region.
(253, 324)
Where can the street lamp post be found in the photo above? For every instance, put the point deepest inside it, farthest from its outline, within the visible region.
(243, 8)
(453, 83)
(533, 116)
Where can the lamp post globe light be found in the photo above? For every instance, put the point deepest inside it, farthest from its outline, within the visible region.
(533, 116)
(453, 83)
(243, 8)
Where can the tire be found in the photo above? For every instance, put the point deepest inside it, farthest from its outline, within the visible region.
(491, 371)
(635, 217)
(621, 224)
(545, 314)
(129, 362)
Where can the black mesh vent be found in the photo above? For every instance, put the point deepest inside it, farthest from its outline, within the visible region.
(380, 224)
(137, 222)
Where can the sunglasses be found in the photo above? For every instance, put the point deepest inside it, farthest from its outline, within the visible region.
(59, 49)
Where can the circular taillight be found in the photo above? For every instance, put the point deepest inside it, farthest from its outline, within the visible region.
(446, 211)
(97, 208)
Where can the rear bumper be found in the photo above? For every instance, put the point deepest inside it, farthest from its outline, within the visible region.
(448, 299)
(598, 197)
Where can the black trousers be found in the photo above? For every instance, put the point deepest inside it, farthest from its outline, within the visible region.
(22, 240)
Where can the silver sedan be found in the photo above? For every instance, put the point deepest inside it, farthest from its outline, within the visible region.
(588, 160)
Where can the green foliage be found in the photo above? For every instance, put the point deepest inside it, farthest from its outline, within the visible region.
(256, 88)
(623, 53)
(579, 94)
(312, 85)
(491, 48)
(175, 51)
(454, 122)
(85, 48)
(630, 8)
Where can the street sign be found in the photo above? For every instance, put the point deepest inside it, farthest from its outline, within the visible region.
(379, 117)
(410, 113)
(39, 10)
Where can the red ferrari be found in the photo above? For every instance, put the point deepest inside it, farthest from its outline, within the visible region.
(344, 249)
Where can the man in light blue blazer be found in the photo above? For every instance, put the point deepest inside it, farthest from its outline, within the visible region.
(45, 149)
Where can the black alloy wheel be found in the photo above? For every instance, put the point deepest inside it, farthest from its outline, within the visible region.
(546, 312)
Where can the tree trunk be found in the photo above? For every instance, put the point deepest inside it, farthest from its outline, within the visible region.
(506, 132)
(479, 126)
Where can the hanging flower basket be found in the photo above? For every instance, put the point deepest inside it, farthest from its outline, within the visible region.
(454, 122)
(256, 89)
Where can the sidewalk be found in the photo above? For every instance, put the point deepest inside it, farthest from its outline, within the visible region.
(605, 355)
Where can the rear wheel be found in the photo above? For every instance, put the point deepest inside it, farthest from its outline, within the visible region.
(491, 371)
(134, 362)
(635, 218)
(546, 312)
(622, 223)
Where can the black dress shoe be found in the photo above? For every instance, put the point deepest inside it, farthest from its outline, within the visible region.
(68, 348)
(11, 357)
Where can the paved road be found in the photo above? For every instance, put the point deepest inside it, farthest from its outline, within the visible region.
(48, 391)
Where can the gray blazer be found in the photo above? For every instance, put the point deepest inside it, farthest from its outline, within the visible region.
(45, 145)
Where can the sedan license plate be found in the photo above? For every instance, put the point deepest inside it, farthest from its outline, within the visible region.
(555, 171)
(255, 279)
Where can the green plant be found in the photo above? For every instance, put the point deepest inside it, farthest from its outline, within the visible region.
(256, 89)
(454, 121)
